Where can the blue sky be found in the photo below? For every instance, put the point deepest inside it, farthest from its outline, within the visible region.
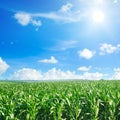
(59, 39)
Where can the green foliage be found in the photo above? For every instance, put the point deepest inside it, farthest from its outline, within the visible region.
(74, 100)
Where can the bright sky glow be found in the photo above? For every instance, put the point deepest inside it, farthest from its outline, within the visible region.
(63, 39)
(98, 16)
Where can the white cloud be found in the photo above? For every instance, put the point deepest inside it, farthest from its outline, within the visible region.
(64, 14)
(93, 76)
(33, 74)
(68, 44)
(36, 22)
(57, 74)
(86, 53)
(27, 74)
(108, 48)
(84, 68)
(53, 74)
(67, 7)
(102, 68)
(116, 75)
(59, 16)
(64, 45)
(25, 18)
(52, 60)
(3, 66)
(117, 69)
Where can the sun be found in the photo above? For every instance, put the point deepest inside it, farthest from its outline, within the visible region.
(98, 16)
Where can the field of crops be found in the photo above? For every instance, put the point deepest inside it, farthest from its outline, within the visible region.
(74, 100)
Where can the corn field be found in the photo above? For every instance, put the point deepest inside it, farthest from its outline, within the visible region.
(74, 100)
